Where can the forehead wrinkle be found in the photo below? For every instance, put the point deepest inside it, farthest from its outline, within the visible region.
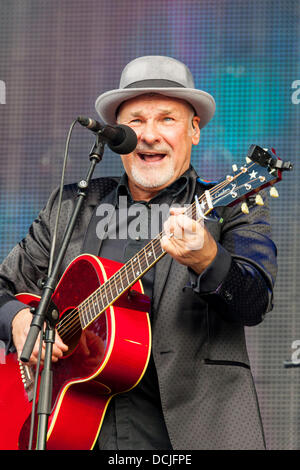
(139, 112)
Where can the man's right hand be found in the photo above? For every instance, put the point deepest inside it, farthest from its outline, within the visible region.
(20, 328)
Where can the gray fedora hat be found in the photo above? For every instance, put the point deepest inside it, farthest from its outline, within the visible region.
(156, 74)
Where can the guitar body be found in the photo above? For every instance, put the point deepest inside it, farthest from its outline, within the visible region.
(106, 357)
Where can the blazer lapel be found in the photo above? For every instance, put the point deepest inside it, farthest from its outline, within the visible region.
(93, 237)
(161, 274)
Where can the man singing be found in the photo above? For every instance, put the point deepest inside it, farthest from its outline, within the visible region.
(216, 278)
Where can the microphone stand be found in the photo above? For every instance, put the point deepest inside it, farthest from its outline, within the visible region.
(45, 312)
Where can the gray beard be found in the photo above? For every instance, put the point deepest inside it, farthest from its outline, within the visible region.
(153, 178)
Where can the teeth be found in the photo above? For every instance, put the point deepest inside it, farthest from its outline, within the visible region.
(144, 155)
(151, 154)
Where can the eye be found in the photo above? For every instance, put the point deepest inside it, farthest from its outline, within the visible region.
(136, 121)
(168, 119)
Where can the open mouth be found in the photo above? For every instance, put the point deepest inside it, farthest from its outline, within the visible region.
(151, 157)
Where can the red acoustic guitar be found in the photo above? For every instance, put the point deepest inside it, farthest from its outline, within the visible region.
(103, 319)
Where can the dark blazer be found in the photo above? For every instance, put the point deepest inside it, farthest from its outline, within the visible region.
(206, 386)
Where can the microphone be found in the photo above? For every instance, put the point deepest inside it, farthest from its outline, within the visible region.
(120, 139)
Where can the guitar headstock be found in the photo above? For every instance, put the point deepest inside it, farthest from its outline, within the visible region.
(262, 169)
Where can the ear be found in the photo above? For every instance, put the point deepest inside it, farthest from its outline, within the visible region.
(195, 130)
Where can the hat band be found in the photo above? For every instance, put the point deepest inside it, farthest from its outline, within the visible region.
(155, 83)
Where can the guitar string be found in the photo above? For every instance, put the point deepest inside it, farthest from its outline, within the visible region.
(67, 322)
(96, 293)
(87, 302)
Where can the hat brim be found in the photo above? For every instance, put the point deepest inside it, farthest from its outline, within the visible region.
(204, 104)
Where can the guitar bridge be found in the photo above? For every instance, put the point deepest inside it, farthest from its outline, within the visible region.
(28, 377)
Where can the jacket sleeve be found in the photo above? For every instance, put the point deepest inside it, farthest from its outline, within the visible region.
(239, 282)
(25, 265)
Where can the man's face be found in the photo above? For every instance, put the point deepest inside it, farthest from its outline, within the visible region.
(166, 129)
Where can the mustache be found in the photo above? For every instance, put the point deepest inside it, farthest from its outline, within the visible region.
(151, 149)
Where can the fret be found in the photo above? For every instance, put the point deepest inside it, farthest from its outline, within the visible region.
(153, 250)
(145, 257)
(132, 268)
(114, 277)
(151, 254)
(119, 286)
(121, 275)
(84, 320)
(100, 299)
(136, 270)
(85, 314)
(126, 270)
(138, 258)
(157, 249)
(104, 287)
(144, 260)
(110, 288)
(80, 315)
(89, 312)
(114, 287)
(96, 310)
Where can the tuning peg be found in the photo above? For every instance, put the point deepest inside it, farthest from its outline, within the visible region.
(234, 167)
(248, 160)
(244, 208)
(259, 200)
(274, 192)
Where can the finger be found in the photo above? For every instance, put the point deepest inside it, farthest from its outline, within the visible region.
(180, 226)
(187, 224)
(58, 350)
(172, 228)
(59, 342)
(177, 210)
(165, 243)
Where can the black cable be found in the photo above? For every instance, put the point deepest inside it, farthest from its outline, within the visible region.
(60, 197)
(51, 258)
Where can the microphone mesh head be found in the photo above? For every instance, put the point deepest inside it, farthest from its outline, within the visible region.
(129, 142)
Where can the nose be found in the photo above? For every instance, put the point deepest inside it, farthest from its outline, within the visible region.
(149, 133)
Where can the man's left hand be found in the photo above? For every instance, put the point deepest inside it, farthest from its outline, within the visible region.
(188, 241)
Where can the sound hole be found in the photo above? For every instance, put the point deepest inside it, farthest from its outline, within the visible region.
(69, 329)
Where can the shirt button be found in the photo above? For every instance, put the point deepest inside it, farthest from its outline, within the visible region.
(137, 238)
(227, 295)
